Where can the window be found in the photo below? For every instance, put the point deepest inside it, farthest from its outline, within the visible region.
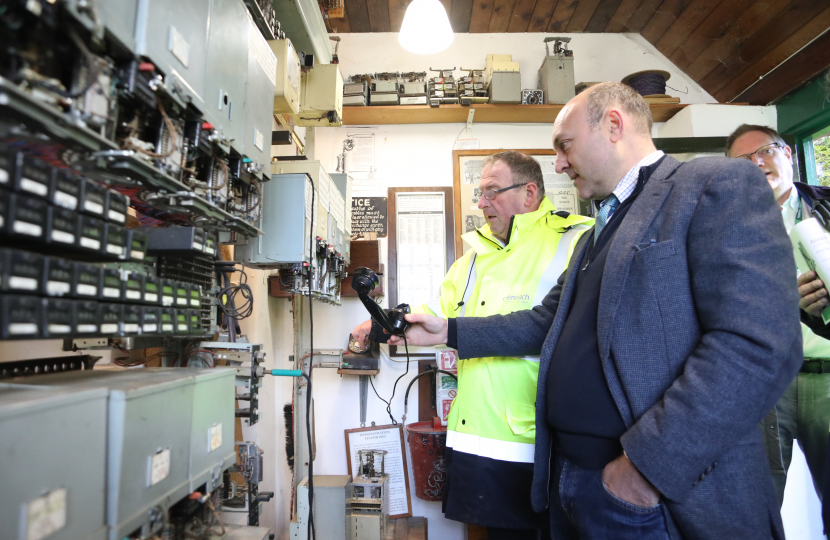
(819, 143)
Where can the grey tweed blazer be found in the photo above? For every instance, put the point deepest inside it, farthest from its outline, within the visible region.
(698, 332)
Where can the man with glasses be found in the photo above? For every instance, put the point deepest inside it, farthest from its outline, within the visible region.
(803, 412)
(514, 260)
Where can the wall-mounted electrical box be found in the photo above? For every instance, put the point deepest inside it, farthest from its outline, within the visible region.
(262, 79)
(321, 97)
(322, 187)
(343, 183)
(287, 88)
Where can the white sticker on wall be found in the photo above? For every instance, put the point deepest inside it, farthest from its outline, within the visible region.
(94, 207)
(133, 295)
(151, 297)
(111, 328)
(86, 290)
(57, 288)
(22, 283)
(179, 46)
(137, 255)
(109, 292)
(65, 200)
(117, 216)
(159, 466)
(21, 227)
(59, 328)
(31, 186)
(63, 237)
(46, 514)
(90, 243)
(87, 328)
(215, 437)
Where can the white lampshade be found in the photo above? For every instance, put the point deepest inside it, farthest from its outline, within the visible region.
(426, 28)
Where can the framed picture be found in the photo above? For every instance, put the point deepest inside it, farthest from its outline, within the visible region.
(467, 166)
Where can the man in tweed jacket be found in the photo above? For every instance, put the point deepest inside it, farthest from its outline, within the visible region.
(673, 331)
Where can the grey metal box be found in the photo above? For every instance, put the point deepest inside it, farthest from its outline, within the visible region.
(556, 79)
(116, 16)
(343, 183)
(53, 444)
(148, 438)
(212, 447)
(506, 87)
(259, 98)
(225, 73)
(287, 199)
(173, 35)
(332, 499)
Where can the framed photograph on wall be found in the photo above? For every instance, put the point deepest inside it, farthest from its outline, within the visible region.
(467, 166)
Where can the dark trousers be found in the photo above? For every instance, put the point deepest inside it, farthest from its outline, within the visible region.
(581, 508)
(494, 533)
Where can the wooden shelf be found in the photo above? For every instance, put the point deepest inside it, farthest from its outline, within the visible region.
(485, 113)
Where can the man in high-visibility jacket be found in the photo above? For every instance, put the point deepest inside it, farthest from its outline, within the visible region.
(514, 262)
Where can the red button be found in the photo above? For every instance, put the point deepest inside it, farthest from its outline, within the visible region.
(146, 66)
(207, 125)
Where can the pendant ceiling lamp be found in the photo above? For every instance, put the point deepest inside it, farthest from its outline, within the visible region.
(426, 28)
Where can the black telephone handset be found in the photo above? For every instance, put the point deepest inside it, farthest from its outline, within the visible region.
(364, 281)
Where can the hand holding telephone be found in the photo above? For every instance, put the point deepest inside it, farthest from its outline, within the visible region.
(364, 281)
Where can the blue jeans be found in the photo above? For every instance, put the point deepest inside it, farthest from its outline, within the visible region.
(581, 508)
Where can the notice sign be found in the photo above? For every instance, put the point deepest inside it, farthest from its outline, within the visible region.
(369, 215)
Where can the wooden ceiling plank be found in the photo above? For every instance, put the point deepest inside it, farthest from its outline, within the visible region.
(397, 9)
(809, 62)
(582, 15)
(663, 18)
(787, 48)
(358, 15)
(480, 17)
(767, 38)
(562, 15)
(602, 15)
(460, 15)
(340, 26)
(621, 16)
(754, 18)
(447, 7)
(379, 15)
(684, 25)
(541, 15)
(521, 16)
(713, 26)
(642, 15)
(500, 18)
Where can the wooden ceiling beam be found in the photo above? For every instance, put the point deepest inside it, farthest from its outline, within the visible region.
(762, 42)
(639, 19)
(358, 15)
(684, 25)
(602, 15)
(562, 15)
(621, 16)
(808, 63)
(787, 48)
(460, 15)
(339, 26)
(500, 17)
(714, 25)
(480, 17)
(379, 15)
(542, 14)
(582, 15)
(663, 18)
(521, 16)
(750, 21)
(397, 9)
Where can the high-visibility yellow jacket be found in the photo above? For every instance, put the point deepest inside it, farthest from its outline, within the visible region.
(493, 414)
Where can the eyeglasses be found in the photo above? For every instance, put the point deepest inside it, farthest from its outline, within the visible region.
(491, 194)
(763, 152)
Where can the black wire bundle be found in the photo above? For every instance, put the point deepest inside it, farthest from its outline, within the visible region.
(648, 84)
(228, 298)
(311, 531)
(389, 403)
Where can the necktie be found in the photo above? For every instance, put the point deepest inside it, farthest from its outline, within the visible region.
(606, 209)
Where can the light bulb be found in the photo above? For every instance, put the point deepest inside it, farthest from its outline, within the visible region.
(426, 28)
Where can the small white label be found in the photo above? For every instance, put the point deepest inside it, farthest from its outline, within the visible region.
(117, 216)
(4, 176)
(134, 295)
(22, 283)
(21, 227)
(159, 466)
(258, 139)
(182, 328)
(214, 437)
(59, 328)
(166, 300)
(90, 243)
(94, 207)
(87, 328)
(134, 254)
(181, 301)
(207, 249)
(57, 288)
(195, 303)
(166, 327)
(65, 200)
(115, 250)
(198, 247)
(151, 297)
(109, 292)
(46, 514)
(151, 327)
(179, 46)
(27, 184)
(87, 290)
(111, 328)
(63, 237)
(132, 328)
(17, 329)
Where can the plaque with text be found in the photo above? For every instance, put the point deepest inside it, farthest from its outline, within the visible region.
(369, 215)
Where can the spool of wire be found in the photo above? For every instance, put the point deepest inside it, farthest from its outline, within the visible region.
(648, 83)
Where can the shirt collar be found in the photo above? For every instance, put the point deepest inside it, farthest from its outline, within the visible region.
(793, 200)
(627, 185)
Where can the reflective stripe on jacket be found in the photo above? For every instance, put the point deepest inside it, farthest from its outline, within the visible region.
(494, 412)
